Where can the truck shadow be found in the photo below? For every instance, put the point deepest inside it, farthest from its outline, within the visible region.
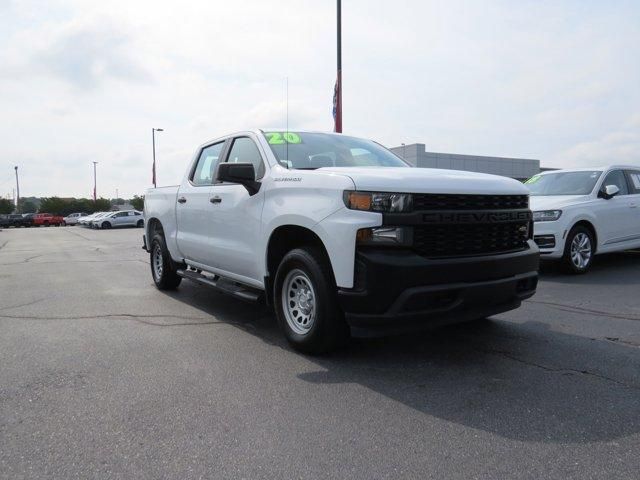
(521, 381)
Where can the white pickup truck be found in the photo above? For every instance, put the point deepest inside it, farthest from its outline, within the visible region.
(341, 236)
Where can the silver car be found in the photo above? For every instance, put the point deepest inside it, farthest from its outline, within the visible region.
(127, 218)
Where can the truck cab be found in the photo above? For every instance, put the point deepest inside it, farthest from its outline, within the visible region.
(341, 236)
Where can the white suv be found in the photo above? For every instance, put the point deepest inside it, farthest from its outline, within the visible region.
(582, 212)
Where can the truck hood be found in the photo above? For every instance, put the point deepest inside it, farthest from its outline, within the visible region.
(428, 180)
(556, 202)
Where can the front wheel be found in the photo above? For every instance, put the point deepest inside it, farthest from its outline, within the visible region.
(140, 224)
(106, 225)
(306, 304)
(578, 250)
(163, 268)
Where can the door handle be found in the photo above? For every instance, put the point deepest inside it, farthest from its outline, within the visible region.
(215, 199)
(182, 200)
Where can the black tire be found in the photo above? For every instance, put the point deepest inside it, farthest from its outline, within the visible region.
(46, 224)
(167, 279)
(328, 328)
(106, 225)
(578, 264)
(140, 224)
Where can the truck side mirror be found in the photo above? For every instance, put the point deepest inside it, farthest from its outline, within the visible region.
(609, 192)
(242, 173)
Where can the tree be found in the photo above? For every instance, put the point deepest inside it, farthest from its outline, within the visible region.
(102, 205)
(6, 206)
(54, 205)
(27, 206)
(137, 202)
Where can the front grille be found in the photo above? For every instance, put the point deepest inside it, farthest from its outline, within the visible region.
(436, 201)
(457, 240)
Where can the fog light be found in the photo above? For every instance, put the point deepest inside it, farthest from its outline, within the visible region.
(545, 241)
(392, 236)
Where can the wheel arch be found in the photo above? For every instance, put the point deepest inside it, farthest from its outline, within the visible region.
(283, 239)
(588, 225)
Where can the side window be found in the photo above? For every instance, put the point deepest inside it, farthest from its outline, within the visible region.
(207, 163)
(617, 178)
(634, 180)
(244, 150)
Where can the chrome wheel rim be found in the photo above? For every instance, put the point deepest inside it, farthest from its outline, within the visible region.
(157, 262)
(581, 250)
(298, 301)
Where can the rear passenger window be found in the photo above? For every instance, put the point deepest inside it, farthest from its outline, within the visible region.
(207, 163)
(617, 178)
(245, 151)
(634, 177)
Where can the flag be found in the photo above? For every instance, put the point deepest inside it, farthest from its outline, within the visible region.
(337, 105)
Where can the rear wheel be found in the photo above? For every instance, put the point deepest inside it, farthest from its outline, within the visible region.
(578, 250)
(163, 268)
(306, 304)
(46, 224)
(140, 224)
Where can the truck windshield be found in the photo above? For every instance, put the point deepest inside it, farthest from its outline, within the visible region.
(315, 150)
(564, 183)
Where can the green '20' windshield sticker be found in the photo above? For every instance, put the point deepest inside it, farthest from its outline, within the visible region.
(280, 138)
(533, 179)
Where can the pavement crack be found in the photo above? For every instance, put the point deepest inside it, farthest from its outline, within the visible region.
(136, 318)
(561, 370)
(33, 302)
(575, 309)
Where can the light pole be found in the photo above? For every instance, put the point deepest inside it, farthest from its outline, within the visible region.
(153, 139)
(337, 100)
(18, 191)
(94, 182)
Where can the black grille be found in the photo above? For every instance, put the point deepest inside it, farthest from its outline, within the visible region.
(435, 201)
(452, 240)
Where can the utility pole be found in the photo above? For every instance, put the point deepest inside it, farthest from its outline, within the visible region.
(18, 191)
(94, 182)
(338, 89)
(153, 141)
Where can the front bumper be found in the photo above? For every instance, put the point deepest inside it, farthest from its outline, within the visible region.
(399, 290)
(550, 237)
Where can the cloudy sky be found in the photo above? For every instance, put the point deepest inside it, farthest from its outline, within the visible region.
(84, 81)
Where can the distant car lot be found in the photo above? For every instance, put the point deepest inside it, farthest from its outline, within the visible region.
(97, 362)
(98, 220)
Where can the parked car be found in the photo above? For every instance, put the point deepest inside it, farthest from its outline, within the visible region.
(341, 236)
(47, 219)
(91, 223)
(4, 221)
(15, 220)
(73, 218)
(125, 218)
(27, 219)
(86, 221)
(584, 212)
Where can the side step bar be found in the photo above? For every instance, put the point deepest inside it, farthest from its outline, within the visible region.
(223, 285)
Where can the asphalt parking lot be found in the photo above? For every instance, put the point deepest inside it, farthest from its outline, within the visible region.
(103, 376)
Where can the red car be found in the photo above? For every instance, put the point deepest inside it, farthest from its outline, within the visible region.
(47, 219)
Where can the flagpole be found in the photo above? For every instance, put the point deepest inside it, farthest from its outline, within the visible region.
(338, 116)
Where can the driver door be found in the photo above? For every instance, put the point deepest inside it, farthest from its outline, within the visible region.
(614, 218)
(237, 215)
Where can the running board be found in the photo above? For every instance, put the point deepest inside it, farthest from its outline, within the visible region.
(223, 285)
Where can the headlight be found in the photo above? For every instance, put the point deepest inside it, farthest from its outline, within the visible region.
(378, 201)
(546, 215)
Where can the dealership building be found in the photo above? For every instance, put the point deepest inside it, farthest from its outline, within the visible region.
(518, 168)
